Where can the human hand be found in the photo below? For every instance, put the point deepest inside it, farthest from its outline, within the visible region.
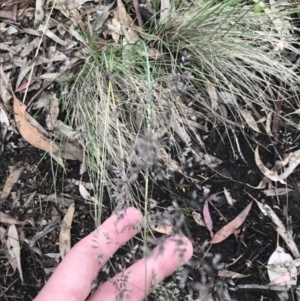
(72, 279)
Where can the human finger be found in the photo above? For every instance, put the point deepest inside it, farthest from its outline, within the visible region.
(73, 277)
(134, 283)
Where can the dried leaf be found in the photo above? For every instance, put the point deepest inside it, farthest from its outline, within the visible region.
(53, 112)
(268, 124)
(211, 90)
(25, 85)
(164, 229)
(209, 160)
(7, 219)
(227, 98)
(229, 229)
(228, 196)
(4, 86)
(2, 234)
(52, 36)
(207, 218)
(267, 210)
(283, 276)
(250, 120)
(231, 274)
(294, 161)
(178, 128)
(154, 54)
(4, 123)
(272, 175)
(13, 249)
(65, 232)
(277, 191)
(10, 182)
(30, 133)
(85, 194)
(164, 8)
(198, 218)
(39, 12)
(131, 36)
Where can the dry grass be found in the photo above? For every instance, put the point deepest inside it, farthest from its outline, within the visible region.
(120, 95)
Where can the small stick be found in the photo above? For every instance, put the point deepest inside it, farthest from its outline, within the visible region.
(238, 146)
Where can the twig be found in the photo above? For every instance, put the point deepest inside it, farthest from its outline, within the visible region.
(238, 146)
(262, 287)
(275, 124)
(138, 12)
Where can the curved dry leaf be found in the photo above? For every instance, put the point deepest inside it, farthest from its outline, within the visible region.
(30, 133)
(13, 249)
(25, 85)
(85, 194)
(164, 9)
(229, 229)
(198, 218)
(250, 120)
(268, 124)
(164, 229)
(2, 234)
(272, 175)
(274, 191)
(211, 90)
(228, 196)
(39, 12)
(65, 232)
(4, 123)
(209, 160)
(277, 271)
(207, 218)
(231, 274)
(294, 160)
(10, 182)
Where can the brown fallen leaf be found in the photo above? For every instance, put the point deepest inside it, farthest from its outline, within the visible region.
(198, 218)
(211, 90)
(231, 274)
(164, 9)
(207, 218)
(164, 229)
(270, 174)
(268, 124)
(65, 232)
(250, 120)
(7, 219)
(14, 250)
(10, 182)
(30, 133)
(229, 198)
(229, 229)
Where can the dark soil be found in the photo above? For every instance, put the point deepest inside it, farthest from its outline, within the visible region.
(253, 245)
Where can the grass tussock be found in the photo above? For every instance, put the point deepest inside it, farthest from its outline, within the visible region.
(131, 105)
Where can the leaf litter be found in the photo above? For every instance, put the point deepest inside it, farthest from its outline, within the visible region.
(231, 227)
(65, 232)
(13, 249)
(10, 182)
(280, 271)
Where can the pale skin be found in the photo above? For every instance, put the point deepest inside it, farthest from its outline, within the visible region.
(73, 278)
